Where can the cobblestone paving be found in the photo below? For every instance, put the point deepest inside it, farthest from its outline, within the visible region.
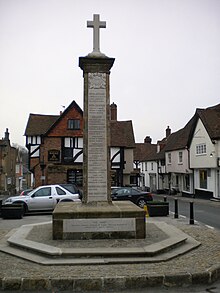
(198, 261)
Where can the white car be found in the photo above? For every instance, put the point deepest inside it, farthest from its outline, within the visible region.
(43, 198)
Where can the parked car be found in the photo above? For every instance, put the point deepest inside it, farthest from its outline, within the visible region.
(26, 191)
(72, 188)
(43, 198)
(136, 196)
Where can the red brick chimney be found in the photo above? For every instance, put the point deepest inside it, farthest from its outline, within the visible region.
(113, 111)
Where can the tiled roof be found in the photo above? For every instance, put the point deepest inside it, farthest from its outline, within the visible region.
(180, 139)
(60, 117)
(144, 151)
(211, 120)
(122, 134)
(39, 124)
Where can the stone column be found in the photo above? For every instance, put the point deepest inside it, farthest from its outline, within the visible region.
(96, 133)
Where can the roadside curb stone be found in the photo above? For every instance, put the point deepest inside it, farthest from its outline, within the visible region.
(11, 283)
(201, 278)
(177, 280)
(214, 273)
(106, 283)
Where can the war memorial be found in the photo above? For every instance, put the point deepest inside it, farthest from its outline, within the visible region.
(99, 244)
(97, 216)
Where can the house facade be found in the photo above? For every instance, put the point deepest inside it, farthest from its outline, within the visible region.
(7, 166)
(55, 147)
(147, 167)
(205, 152)
(188, 160)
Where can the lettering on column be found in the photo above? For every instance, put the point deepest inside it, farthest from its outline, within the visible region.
(97, 137)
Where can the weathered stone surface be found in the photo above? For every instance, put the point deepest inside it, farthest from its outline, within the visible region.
(11, 283)
(174, 280)
(89, 284)
(98, 221)
(35, 284)
(201, 278)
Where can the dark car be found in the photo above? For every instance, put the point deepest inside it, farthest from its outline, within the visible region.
(138, 197)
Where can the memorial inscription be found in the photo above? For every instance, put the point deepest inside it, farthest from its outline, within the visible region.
(99, 225)
(97, 137)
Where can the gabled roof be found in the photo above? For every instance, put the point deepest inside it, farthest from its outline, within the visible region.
(144, 151)
(180, 139)
(60, 117)
(122, 134)
(176, 140)
(210, 117)
(39, 124)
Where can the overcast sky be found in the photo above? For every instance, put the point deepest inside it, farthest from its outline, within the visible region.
(167, 59)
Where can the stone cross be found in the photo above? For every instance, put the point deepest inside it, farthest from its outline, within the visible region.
(96, 24)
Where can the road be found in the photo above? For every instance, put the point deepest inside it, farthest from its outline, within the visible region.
(205, 211)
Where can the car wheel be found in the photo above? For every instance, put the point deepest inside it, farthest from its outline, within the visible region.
(24, 206)
(141, 202)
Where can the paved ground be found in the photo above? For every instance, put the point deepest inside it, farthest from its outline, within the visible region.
(200, 266)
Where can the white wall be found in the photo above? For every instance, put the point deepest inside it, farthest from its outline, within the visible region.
(175, 166)
(205, 160)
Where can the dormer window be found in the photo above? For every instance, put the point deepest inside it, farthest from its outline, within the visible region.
(73, 124)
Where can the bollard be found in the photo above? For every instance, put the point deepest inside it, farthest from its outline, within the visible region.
(146, 211)
(176, 215)
(191, 220)
(165, 199)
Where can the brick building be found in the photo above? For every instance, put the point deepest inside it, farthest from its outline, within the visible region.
(55, 147)
(8, 156)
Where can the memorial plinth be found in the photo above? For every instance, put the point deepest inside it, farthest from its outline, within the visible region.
(119, 220)
(97, 217)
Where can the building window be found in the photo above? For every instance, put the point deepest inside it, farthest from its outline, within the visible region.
(73, 124)
(72, 146)
(201, 149)
(145, 166)
(33, 140)
(203, 178)
(169, 158)
(152, 166)
(75, 177)
(180, 157)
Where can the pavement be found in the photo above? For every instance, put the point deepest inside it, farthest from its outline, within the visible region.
(196, 267)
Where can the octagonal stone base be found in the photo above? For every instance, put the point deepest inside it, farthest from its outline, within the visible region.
(98, 220)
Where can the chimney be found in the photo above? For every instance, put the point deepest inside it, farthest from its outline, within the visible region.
(6, 134)
(113, 112)
(148, 139)
(168, 131)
